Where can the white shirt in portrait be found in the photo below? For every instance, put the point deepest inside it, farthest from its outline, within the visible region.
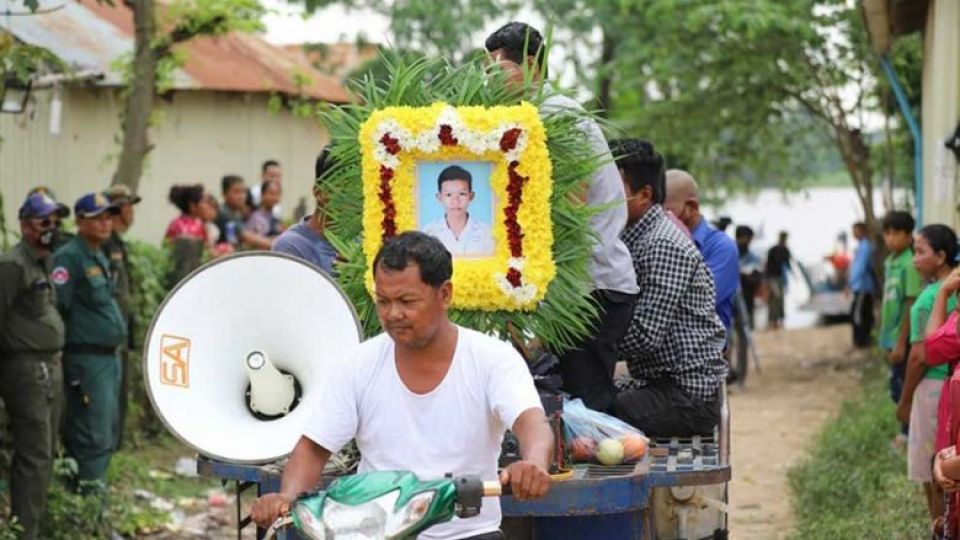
(476, 239)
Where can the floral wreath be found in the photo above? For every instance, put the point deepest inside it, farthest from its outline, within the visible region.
(536, 282)
(394, 139)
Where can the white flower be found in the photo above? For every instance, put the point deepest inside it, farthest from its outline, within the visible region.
(427, 141)
(517, 263)
(522, 294)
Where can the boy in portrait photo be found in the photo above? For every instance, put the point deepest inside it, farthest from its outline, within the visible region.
(460, 232)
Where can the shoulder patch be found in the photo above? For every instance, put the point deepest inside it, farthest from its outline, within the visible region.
(93, 271)
(60, 275)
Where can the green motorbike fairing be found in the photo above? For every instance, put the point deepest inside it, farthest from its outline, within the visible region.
(361, 488)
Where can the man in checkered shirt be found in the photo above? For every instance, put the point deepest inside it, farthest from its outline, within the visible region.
(674, 344)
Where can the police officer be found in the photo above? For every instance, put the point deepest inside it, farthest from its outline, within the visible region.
(115, 248)
(94, 330)
(31, 339)
(59, 235)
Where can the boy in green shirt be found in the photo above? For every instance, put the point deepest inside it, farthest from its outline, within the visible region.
(900, 288)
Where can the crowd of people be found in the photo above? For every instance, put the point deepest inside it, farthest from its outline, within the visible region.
(666, 282)
(918, 333)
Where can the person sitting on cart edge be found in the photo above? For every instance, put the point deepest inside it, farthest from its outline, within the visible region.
(674, 343)
(427, 396)
(587, 367)
(718, 250)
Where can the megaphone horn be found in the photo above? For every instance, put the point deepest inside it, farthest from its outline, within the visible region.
(239, 346)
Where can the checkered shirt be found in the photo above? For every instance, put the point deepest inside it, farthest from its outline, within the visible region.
(675, 332)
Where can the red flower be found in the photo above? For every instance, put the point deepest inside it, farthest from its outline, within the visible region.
(446, 136)
(514, 277)
(509, 140)
(391, 144)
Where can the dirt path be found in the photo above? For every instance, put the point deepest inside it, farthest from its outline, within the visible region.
(805, 375)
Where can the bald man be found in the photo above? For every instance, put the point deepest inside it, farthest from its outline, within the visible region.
(718, 249)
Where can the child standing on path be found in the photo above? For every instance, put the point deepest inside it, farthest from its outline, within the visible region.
(900, 288)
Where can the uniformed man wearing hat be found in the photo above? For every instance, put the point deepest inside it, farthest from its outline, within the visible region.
(59, 235)
(94, 330)
(115, 248)
(31, 340)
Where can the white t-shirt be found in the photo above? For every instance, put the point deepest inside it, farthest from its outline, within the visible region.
(475, 239)
(611, 265)
(455, 428)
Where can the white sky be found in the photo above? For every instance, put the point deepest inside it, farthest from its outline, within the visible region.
(286, 24)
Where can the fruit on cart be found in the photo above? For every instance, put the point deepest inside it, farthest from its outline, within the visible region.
(583, 448)
(610, 452)
(634, 446)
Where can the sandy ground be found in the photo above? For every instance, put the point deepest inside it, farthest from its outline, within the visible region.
(804, 377)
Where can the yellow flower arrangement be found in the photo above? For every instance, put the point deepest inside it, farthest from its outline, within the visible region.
(394, 139)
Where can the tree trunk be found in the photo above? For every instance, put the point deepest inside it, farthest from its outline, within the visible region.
(856, 157)
(605, 73)
(139, 99)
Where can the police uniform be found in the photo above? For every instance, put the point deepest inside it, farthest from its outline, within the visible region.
(116, 250)
(31, 380)
(95, 328)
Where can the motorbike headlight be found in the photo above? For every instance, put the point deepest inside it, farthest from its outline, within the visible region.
(375, 519)
(310, 525)
(410, 515)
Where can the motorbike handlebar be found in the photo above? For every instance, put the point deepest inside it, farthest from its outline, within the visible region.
(493, 488)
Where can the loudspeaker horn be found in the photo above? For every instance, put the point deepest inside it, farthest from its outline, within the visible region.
(239, 349)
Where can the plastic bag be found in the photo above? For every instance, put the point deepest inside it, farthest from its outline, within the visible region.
(593, 436)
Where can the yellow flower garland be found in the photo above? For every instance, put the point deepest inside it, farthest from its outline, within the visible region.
(479, 283)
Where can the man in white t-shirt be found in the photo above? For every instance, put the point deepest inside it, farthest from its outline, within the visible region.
(427, 396)
(462, 233)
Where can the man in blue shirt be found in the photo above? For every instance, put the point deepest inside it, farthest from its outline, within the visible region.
(718, 249)
(306, 239)
(862, 284)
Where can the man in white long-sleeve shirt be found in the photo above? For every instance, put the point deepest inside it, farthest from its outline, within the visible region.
(587, 369)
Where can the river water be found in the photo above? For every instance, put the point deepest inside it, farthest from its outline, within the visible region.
(813, 218)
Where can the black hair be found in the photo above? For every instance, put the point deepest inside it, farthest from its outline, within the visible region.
(783, 236)
(642, 166)
(229, 181)
(518, 41)
(454, 172)
(942, 238)
(860, 225)
(248, 200)
(743, 231)
(428, 253)
(323, 164)
(183, 196)
(267, 164)
(265, 184)
(899, 220)
(723, 222)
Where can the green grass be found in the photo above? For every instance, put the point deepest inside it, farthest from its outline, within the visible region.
(146, 466)
(852, 484)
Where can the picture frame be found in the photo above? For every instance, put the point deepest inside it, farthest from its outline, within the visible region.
(404, 150)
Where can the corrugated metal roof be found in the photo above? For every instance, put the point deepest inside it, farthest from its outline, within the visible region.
(90, 35)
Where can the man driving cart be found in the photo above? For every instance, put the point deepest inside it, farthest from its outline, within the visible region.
(426, 396)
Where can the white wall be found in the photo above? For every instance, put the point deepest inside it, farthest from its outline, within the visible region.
(200, 137)
(941, 111)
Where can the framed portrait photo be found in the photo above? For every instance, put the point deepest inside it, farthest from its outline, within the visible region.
(455, 205)
(476, 178)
